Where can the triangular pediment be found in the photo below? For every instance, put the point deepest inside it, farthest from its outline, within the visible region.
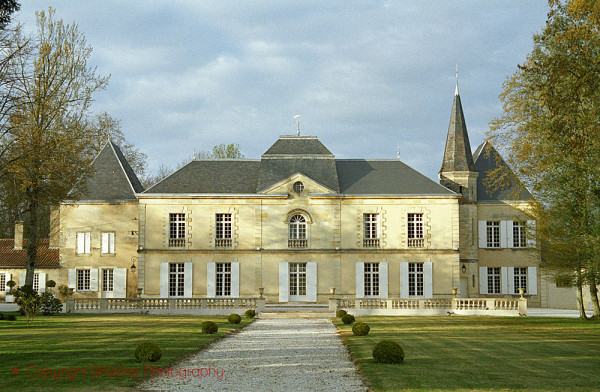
(286, 186)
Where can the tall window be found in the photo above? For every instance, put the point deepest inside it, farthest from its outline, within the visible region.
(83, 280)
(2, 282)
(520, 279)
(36, 282)
(83, 243)
(493, 234)
(297, 280)
(371, 230)
(223, 279)
(493, 280)
(371, 279)
(297, 232)
(107, 280)
(519, 238)
(177, 230)
(415, 231)
(415, 279)
(108, 242)
(223, 231)
(176, 279)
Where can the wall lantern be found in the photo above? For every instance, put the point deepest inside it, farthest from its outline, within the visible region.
(133, 260)
(463, 268)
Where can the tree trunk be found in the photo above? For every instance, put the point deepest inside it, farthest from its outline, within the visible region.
(593, 281)
(580, 303)
(32, 240)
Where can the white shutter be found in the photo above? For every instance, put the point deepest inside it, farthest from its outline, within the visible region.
(428, 279)
(483, 280)
(235, 280)
(211, 280)
(360, 279)
(188, 276)
(88, 241)
(311, 282)
(531, 234)
(509, 234)
(164, 280)
(284, 278)
(511, 280)
(22, 277)
(94, 279)
(80, 242)
(105, 243)
(482, 234)
(504, 234)
(7, 278)
(42, 282)
(532, 280)
(120, 283)
(404, 279)
(504, 280)
(73, 279)
(383, 279)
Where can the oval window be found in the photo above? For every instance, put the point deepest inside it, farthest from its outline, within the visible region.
(298, 187)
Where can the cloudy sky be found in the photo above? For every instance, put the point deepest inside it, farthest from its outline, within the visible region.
(365, 76)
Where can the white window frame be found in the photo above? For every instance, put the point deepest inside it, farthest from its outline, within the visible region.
(223, 280)
(3, 281)
(415, 232)
(371, 230)
(372, 280)
(83, 280)
(493, 234)
(298, 231)
(176, 279)
(520, 279)
(519, 235)
(108, 280)
(177, 230)
(494, 279)
(83, 243)
(416, 279)
(108, 243)
(36, 282)
(298, 287)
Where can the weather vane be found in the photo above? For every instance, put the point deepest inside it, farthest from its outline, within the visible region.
(297, 118)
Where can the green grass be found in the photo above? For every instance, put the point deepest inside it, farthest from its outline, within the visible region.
(481, 353)
(70, 341)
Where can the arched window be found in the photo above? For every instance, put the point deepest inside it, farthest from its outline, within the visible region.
(297, 231)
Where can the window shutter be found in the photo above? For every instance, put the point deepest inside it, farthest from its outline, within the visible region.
(504, 234)
(188, 276)
(105, 243)
(311, 282)
(504, 280)
(211, 280)
(120, 283)
(7, 278)
(483, 280)
(42, 282)
(73, 279)
(509, 234)
(284, 279)
(360, 279)
(383, 279)
(482, 234)
(428, 279)
(164, 280)
(511, 280)
(404, 279)
(531, 234)
(80, 243)
(94, 279)
(532, 280)
(235, 280)
(22, 278)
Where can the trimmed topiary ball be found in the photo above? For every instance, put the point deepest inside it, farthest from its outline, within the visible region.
(340, 313)
(209, 327)
(348, 318)
(361, 329)
(250, 313)
(234, 318)
(387, 351)
(148, 352)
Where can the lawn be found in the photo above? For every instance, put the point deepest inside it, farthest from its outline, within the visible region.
(94, 342)
(481, 353)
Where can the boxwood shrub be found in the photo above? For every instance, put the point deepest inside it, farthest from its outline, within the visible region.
(388, 351)
(348, 318)
(209, 327)
(361, 329)
(250, 313)
(234, 318)
(340, 313)
(148, 352)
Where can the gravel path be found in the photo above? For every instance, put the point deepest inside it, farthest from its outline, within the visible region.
(275, 354)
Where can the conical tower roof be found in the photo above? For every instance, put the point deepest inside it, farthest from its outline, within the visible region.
(457, 155)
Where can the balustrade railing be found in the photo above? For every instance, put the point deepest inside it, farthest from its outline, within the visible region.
(416, 242)
(223, 242)
(298, 243)
(371, 243)
(176, 242)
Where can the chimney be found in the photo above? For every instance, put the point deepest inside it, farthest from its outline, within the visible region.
(18, 236)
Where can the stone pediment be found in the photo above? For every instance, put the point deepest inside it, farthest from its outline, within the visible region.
(287, 186)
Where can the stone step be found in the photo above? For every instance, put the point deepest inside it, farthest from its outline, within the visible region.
(304, 314)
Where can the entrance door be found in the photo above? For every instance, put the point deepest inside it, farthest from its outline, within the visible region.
(297, 274)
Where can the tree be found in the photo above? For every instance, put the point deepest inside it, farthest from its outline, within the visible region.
(7, 8)
(49, 141)
(550, 132)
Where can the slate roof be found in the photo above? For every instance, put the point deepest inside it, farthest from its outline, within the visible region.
(487, 158)
(299, 146)
(9, 258)
(457, 154)
(113, 178)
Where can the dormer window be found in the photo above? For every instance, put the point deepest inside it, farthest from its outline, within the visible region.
(298, 187)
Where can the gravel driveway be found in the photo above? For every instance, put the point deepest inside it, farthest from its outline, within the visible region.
(273, 354)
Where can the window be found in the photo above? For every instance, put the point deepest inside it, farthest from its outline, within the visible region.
(415, 279)
(372, 279)
(223, 279)
(176, 279)
(83, 280)
(223, 231)
(2, 282)
(297, 232)
(36, 282)
(108, 242)
(519, 238)
(298, 187)
(83, 243)
(177, 230)
(297, 280)
(415, 231)
(520, 279)
(371, 231)
(493, 280)
(493, 234)
(107, 280)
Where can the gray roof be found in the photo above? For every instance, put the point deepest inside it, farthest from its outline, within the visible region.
(273, 171)
(113, 178)
(457, 154)
(487, 159)
(298, 145)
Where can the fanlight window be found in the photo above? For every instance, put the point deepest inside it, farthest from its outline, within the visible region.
(297, 231)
